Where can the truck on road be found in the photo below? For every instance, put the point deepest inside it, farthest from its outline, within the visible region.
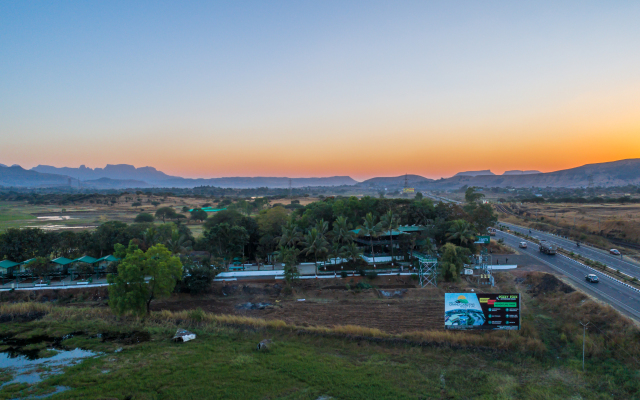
(548, 248)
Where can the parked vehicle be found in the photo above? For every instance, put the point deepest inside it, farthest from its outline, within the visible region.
(492, 231)
(548, 248)
(614, 252)
(592, 278)
(523, 245)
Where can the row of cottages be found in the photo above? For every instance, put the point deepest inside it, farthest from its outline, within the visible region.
(61, 266)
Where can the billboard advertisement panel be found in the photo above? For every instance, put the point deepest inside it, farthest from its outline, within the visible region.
(482, 311)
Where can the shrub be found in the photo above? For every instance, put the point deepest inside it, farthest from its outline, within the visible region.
(197, 314)
(363, 285)
(372, 274)
(347, 286)
(344, 274)
(362, 272)
(136, 204)
(414, 277)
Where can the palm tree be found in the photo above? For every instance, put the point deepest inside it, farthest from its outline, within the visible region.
(291, 235)
(462, 231)
(352, 251)
(390, 222)
(341, 231)
(315, 243)
(178, 244)
(337, 251)
(322, 226)
(372, 229)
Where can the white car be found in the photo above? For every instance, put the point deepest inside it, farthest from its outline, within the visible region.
(523, 245)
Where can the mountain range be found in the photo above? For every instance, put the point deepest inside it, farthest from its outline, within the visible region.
(615, 173)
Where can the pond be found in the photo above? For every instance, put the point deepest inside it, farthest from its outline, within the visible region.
(29, 361)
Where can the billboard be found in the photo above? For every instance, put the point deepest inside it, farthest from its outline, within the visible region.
(482, 311)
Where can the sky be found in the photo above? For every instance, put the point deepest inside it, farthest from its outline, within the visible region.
(319, 88)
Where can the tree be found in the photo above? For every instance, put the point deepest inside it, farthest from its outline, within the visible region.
(144, 217)
(198, 276)
(40, 267)
(178, 243)
(352, 251)
(129, 290)
(418, 196)
(389, 222)
(471, 196)
(226, 241)
(462, 231)
(165, 212)
(341, 232)
(289, 256)
(452, 261)
(315, 243)
(23, 244)
(371, 229)
(290, 236)
(198, 214)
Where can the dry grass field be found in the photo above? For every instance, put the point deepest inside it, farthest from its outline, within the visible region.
(616, 221)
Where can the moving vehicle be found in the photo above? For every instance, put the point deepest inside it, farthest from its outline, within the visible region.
(614, 252)
(523, 245)
(592, 278)
(492, 231)
(548, 248)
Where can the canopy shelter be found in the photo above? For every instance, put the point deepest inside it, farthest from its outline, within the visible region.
(209, 209)
(23, 269)
(86, 259)
(62, 263)
(7, 267)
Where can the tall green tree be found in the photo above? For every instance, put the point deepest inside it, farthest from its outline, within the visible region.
(226, 241)
(461, 231)
(290, 236)
(352, 251)
(471, 195)
(341, 232)
(452, 261)
(389, 222)
(129, 290)
(371, 229)
(315, 243)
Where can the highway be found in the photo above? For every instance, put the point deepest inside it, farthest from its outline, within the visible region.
(618, 295)
(589, 252)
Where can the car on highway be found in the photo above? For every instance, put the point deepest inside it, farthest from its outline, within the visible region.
(614, 252)
(592, 278)
(523, 245)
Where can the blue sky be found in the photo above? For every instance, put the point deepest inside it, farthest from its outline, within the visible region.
(318, 88)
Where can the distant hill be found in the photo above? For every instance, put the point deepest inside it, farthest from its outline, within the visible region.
(18, 176)
(615, 173)
(475, 173)
(118, 171)
(396, 181)
(518, 172)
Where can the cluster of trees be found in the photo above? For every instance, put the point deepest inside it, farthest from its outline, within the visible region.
(23, 244)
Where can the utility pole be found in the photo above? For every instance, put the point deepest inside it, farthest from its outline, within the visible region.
(290, 188)
(584, 335)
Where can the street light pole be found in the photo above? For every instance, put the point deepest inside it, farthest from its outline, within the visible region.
(584, 334)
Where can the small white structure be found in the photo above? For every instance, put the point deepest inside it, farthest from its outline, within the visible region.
(183, 336)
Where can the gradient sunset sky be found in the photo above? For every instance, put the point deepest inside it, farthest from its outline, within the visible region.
(319, 88)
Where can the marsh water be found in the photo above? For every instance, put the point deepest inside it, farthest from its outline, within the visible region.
(29, 361)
